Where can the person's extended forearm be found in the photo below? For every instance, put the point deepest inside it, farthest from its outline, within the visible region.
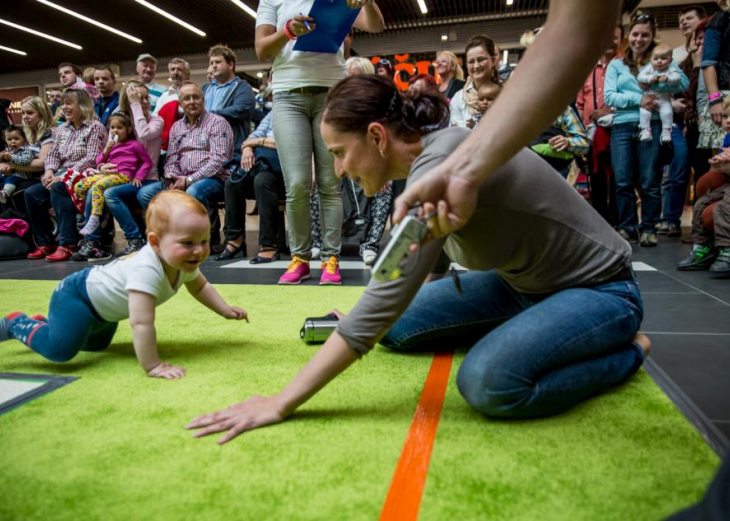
(711, 84)
(144, 338)
(332, 359)
(210, 298)
(521, 111)
(35, 166)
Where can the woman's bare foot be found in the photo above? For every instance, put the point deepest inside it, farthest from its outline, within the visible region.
(644, 343)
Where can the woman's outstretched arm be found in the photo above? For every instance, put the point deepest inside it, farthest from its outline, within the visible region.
(333, 358)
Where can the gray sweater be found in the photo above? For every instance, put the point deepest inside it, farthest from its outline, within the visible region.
(529, 225)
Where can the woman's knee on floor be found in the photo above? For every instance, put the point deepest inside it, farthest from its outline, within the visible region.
(493, 391)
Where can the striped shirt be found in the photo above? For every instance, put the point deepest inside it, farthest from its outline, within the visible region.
(76, 148)
(199, 150)
(155, 91)
(570, 123)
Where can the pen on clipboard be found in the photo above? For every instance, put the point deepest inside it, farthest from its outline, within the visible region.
(306, 23)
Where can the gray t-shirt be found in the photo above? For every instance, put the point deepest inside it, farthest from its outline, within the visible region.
(529, 225)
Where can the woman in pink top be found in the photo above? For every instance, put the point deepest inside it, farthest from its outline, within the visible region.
(131, 163)
(135, 102)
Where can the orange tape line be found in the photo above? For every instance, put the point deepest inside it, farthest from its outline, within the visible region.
(406, 489)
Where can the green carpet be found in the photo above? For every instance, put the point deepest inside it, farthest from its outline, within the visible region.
(112, 444)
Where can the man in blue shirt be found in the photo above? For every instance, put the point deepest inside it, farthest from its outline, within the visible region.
(229, 96)
(106, 84)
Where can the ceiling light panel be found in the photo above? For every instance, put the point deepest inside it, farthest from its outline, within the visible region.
(167, 15)
(246, 8)
(422, 6)
(38, 33)
(90, 20)
(10, 49)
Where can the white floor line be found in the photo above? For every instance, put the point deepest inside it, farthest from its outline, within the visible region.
(683, 333)
(10, 389)
(642, 266)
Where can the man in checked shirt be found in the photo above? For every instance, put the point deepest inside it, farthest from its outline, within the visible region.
(200, 145)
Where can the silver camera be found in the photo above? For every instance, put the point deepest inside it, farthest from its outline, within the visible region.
(389, 265)
(318, 329)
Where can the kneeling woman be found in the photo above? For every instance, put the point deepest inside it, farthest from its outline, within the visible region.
(550, 309)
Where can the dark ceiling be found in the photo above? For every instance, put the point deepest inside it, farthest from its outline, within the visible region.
(221, 20)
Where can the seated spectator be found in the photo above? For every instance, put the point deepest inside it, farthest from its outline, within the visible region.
(264, 181)
(106, 83)
(359, 65)
(168, 105)
(37, 127)
(711, 214)
(121, 200)
(481, 67)
(201, 144)
(451, 74)
(486, 95)
(130, 164)
(565, 139)
(77, 143)
(421, 82)
(230, 97)
(18, 153)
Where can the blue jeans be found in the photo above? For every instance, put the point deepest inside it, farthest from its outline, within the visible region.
(207, 191)
(631, 159)
(118, 199)
(37, 202)
(73, 324)
(674, 183)
(530, 355)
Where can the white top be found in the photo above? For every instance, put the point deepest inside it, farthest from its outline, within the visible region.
(680, 53)
(109, 286)
(294, 69)
(459, 111)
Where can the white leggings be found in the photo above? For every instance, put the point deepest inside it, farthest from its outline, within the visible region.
(664, 101)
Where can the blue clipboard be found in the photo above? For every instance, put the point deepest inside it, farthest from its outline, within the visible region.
(334, 20)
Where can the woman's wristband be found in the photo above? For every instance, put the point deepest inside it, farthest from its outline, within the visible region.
(716, 95)
(288, 32)
(715, 101)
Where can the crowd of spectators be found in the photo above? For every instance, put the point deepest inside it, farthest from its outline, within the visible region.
(647, 120)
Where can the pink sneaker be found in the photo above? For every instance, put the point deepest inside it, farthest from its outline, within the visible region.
(330, 272)
(297, 271)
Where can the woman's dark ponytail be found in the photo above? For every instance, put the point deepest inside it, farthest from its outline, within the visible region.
(357, 101)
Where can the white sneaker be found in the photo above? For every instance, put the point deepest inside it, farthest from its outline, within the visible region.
(368, 257)
(666, 136)
(315, 252)
(645, 134)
